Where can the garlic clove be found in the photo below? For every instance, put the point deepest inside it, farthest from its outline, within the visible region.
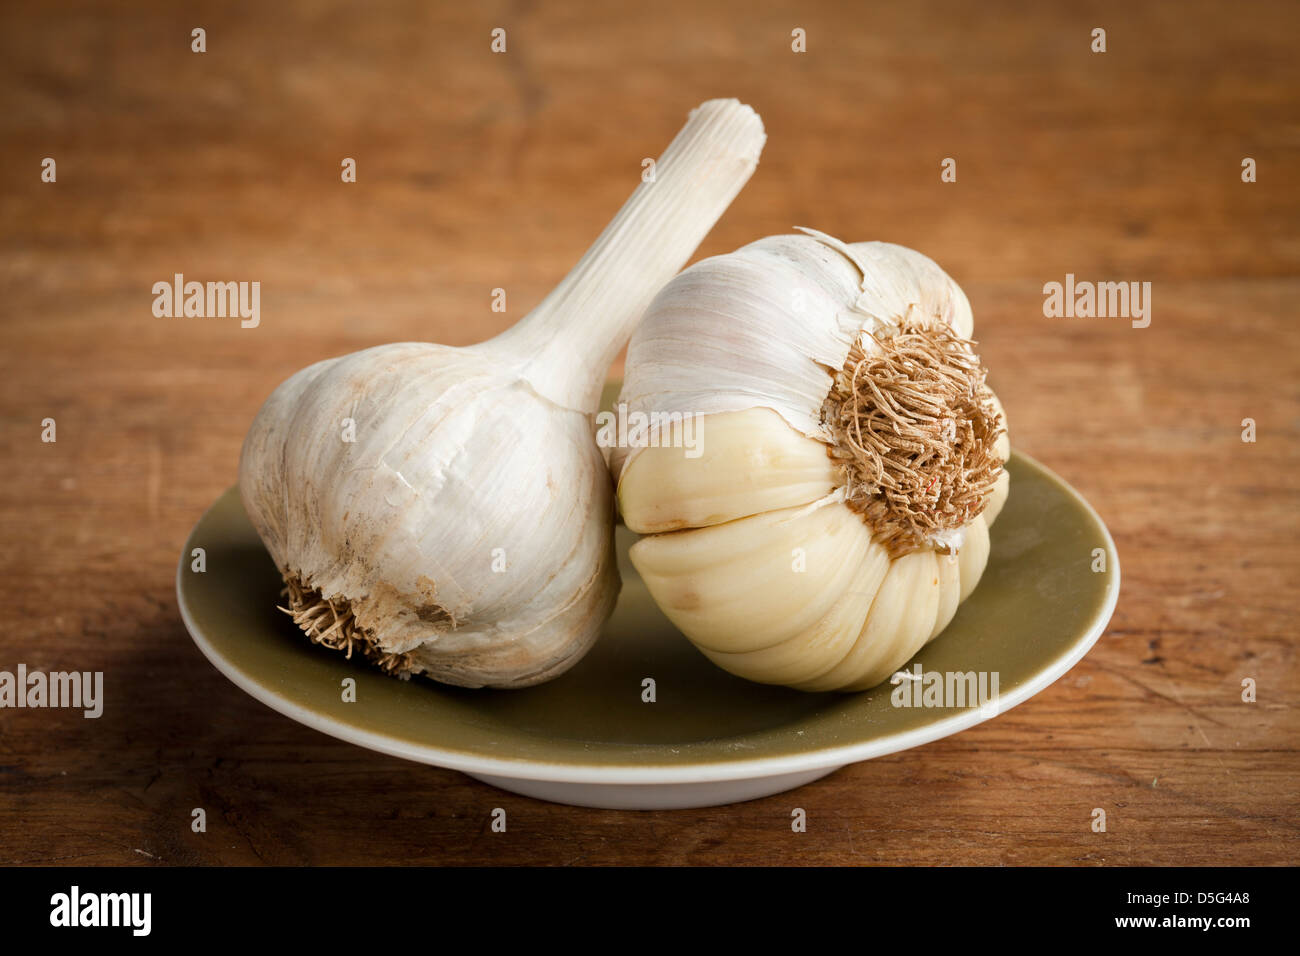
(1002, 446)
(997, 498)
(748, 462)
(755, 582)
(973, 555)
(949, 570)
(821, 647)
(898, 624)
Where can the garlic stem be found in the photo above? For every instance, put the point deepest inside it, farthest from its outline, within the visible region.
(566, 344)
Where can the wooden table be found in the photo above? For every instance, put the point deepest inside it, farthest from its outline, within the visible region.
(479, 170)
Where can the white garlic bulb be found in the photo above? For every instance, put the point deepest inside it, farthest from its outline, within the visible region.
(446, 511)
(846, 462)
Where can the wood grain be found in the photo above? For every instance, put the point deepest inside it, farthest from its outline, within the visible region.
(479, 171)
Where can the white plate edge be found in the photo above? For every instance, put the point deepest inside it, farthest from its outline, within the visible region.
(663, 774)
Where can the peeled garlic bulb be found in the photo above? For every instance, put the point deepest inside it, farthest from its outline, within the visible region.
(446, 511)
(846, 466)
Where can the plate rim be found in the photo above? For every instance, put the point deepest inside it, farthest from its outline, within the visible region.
(668, 774)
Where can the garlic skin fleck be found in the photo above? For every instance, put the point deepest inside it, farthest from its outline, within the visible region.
(849, 460)
(446, 511)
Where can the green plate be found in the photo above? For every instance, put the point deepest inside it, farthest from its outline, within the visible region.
(588, 738)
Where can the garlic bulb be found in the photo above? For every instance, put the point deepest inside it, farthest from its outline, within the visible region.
(834, 506)
(446, 511)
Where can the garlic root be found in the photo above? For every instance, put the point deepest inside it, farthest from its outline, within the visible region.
(913, 428)
(331, 623)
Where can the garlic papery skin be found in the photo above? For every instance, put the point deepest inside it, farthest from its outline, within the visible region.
(847, 463)
(446, 511)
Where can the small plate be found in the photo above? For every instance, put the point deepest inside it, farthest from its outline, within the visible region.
(587, 738)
